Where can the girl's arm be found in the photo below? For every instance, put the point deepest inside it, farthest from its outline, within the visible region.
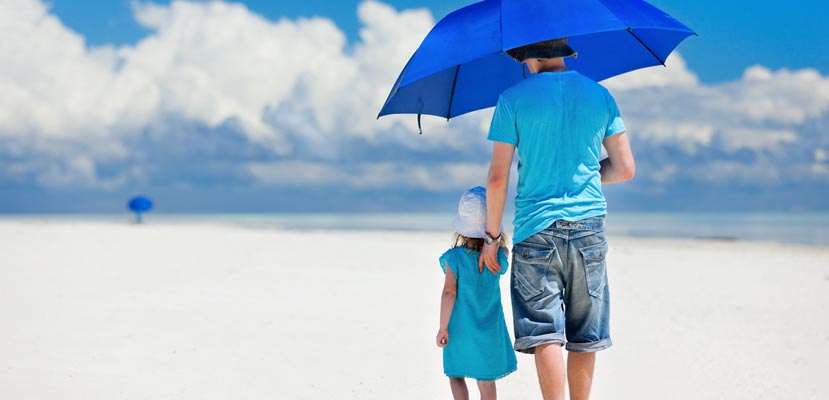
(447, 302)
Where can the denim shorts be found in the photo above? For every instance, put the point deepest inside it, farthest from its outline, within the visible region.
(559, 288)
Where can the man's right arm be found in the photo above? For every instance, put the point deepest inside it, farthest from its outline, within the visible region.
(619, 165)
(496, 199)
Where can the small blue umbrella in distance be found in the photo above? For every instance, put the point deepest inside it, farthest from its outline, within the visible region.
(139, 205)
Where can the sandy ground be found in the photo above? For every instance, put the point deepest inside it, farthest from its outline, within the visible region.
(105, 311)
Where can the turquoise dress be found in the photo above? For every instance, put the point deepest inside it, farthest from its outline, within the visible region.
(479, 343)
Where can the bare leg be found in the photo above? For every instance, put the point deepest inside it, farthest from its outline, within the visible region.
(459, 390)
(487, 389)
(549, 363)
(580, 374)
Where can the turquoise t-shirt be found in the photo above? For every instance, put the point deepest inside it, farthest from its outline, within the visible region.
(557, 121)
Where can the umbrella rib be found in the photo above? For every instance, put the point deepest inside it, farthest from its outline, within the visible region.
(630, 30)
(452, 94)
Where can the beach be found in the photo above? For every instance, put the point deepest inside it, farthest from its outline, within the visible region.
(210, 311)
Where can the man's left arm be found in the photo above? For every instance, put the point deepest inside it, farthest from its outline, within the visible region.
(619, 165)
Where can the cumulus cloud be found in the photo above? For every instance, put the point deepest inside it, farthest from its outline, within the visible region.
(216, 93)
(752, 132)
(376, 175)
(208, 62)
(675, 73)
(293, 87)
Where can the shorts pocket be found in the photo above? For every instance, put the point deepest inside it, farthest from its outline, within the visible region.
(529, 270)
(595, 268)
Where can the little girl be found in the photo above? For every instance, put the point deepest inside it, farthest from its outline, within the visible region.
(473, 334)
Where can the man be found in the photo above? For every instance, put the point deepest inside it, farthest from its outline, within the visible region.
(558, 120)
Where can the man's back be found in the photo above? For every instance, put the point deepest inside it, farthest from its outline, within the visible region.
(557, 120)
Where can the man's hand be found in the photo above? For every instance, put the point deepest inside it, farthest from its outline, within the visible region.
(489, 258)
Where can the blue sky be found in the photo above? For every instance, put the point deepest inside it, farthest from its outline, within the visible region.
(256, 106)
(734, 34)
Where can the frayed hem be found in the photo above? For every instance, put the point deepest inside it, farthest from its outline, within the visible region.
(484, 378)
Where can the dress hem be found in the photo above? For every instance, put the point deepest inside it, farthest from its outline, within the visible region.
(486, 378)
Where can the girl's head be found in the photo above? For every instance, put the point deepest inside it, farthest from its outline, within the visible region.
(470, 223)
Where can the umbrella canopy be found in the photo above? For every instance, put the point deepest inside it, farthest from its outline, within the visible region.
(462, 65)
(140, 204)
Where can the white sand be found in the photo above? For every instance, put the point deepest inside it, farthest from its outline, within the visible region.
(103, 311)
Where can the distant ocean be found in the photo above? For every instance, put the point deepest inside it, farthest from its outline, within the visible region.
(801, 228)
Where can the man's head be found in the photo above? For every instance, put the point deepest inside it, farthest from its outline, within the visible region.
(548, 49)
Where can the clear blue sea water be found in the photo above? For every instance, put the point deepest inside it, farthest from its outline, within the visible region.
(802, 228)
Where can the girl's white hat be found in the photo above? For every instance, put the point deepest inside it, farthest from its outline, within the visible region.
(471, 218)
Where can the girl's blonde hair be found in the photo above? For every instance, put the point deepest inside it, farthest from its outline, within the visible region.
(475, 243)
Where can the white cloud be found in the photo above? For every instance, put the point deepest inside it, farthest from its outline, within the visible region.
(781, 96)
(373, 175)
(675, 73)
(49, 83)
(821, 155)
(291, 86)
(758, 112)
(215, 61)
(733, 173)
(297, 173)
(206, 62)
(690, 135)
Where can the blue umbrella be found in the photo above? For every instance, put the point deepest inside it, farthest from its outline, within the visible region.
(462, 65)
(140, 205)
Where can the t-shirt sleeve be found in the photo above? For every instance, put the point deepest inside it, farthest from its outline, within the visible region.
(448, 258)
(502, 128)
(502, 259)
(615, 124)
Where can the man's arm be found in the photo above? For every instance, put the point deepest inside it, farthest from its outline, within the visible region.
(496, 199)
(619, 165)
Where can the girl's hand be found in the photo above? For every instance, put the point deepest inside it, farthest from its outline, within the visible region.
(442, 338)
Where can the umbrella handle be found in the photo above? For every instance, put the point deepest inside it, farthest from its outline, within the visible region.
(420, 103)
